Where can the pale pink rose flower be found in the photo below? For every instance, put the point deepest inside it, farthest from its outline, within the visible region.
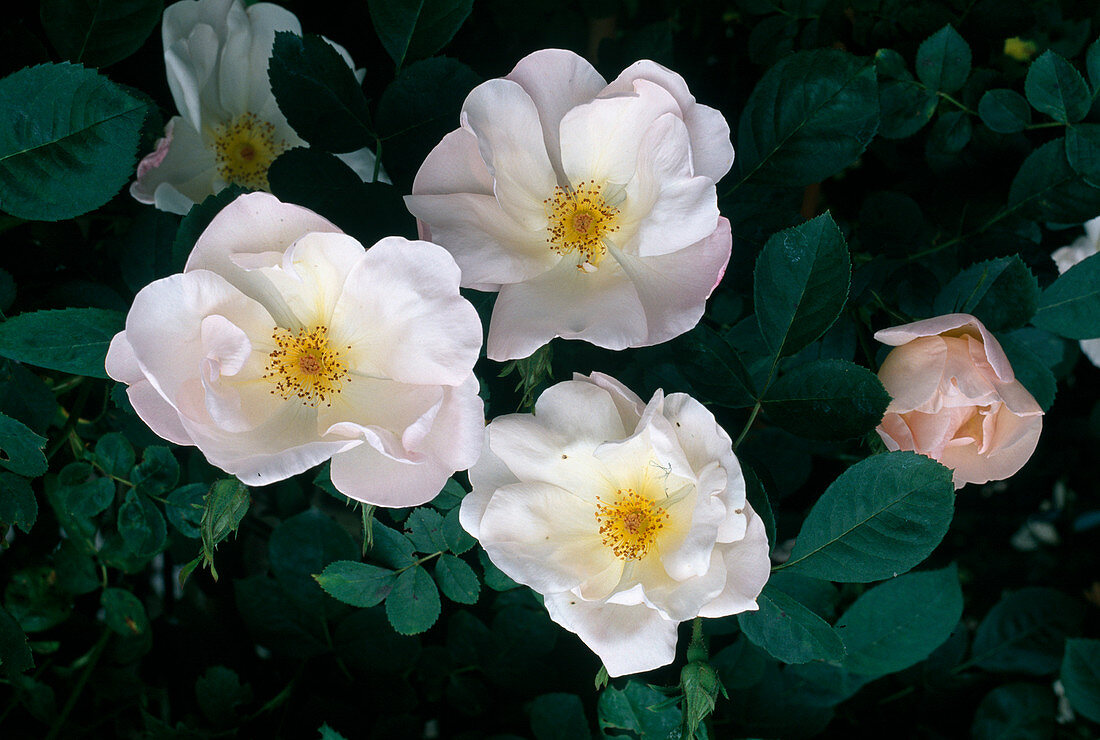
(229, 129)
(627, 517)
(590, 207)
(1068, 256)
(956, 399)
(284, 343)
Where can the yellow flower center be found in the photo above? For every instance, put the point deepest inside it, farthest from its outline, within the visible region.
(629, 524)
(245, 148)
(305, 366)
(578, 221)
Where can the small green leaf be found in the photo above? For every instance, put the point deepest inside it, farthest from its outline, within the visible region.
(20, 448)
(413, 29)
(801, 284)
(1001, 292)
(901, 621)
(1081, 676)
(789, 631)
(1026, 631)
(413, 604)
(559, 717)
(68, 143)
(943, 60)
(827, 399)
(72, 340)
(1004, 111)
(457, 580)
(809, 117)
(125, 614)
(99, 32)
(1070, 306)
(317, 92)
(18, 505)
(881, 517)
(355, 583)
(1054, 87)
(115, 454)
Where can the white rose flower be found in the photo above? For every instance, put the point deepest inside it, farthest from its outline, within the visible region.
(284, 343)
(1066, 257)
(230, 128)
(628, 517)
(591, 207)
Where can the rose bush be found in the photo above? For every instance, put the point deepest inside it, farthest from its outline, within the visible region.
(283, 344)
(229, 129)
(628, 517)
(591, 207)
(956, 399)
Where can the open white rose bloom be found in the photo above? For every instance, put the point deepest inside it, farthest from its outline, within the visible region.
(1066, 257)
(591, 207)
(284, 343)
(229, 129)
(628, 517)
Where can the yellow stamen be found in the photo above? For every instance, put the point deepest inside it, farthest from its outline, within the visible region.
(245, 148)
(629, 524)
(578, 221)
(305, 366)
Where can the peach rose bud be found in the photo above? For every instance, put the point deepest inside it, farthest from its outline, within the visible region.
(956, 399)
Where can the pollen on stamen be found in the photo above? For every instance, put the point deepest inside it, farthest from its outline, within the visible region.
(629, 524)
(244, 149)
(304, 365)
(578, 221)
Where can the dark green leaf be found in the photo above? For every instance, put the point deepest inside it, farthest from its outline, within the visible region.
(943, 60)
(559, 717)
(318, 180)
(458, 539)
(1004, 111)
(99, 32)
(801, 284)
(317, 92)
(413, 604)
(1081, 676)
(809, 117)
(18, 505)
(355, 583)
(457, 580)
(788, 630)
(68, 142)
(185, 508)
(418, 109)
(1026, 632)
(1083, 151)
(1001, 292)
(72, 340)
(157, 473)
(1070, 306)
(1022, 711)
(20, 448)
(1054, 87)
(1047, 189)
(881, 517)
(125, 614)
(15, 654)
(413, 29)
(115, 454)
(900, 622)
(827, 399)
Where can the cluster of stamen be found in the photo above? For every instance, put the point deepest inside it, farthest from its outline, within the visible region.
(578, 221)
(245, 148)
(629, 524)
(305, 366)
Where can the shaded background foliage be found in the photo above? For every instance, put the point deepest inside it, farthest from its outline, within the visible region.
(951, 163)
